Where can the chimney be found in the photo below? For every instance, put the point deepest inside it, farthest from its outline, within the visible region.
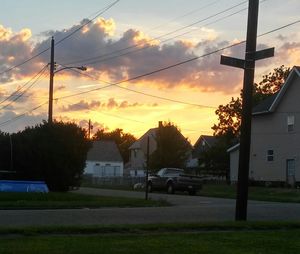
(160, 124)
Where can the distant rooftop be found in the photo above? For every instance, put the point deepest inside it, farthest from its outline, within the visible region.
(104, 150)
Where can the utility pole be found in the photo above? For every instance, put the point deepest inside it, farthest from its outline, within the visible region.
(147, 169)
(90, 128)
(251, 55)
(52, 72)
(52, 67)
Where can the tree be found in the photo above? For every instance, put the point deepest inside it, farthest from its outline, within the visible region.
(123, 140)
(229, 115)
(173, 149)
(55, 153)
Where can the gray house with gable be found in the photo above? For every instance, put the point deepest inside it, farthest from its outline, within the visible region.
(104, 160)
(275, 140)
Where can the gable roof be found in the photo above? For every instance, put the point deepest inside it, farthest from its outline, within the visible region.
(270, 104)
(209, 140)
(104, 150)
(138, 144)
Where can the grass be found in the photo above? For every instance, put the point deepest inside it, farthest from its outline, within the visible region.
(229, 191)
(255, 193)
(236, 238)
(69, 200)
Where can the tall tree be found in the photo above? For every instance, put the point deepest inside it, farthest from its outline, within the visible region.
(173, 149)
(123, 140)
(229, 115)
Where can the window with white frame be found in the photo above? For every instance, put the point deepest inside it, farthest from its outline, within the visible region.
(270, 155)
(290, 123)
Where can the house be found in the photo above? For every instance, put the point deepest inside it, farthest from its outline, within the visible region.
(275, 138)
(138, 151)
(203, 143)
(104, 160)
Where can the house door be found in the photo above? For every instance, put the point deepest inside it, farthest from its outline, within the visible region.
(290, 172)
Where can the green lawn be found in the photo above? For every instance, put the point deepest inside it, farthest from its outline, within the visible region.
(231, 242)
(69, 200)
(255, 193)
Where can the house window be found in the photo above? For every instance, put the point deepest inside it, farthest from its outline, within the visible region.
(270, 155)
(290, 123)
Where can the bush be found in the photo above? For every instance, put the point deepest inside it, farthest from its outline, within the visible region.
(55, 153)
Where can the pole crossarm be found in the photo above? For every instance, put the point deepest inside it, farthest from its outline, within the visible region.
(240, 63)
(82, 68)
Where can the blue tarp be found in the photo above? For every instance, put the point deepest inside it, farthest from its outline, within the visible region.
(23, 186)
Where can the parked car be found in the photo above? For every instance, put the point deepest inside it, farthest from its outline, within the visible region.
(174, 179)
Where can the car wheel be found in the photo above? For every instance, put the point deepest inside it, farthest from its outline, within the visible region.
(150, 189)
(170, 188)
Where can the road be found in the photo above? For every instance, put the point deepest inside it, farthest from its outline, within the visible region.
(185, 209)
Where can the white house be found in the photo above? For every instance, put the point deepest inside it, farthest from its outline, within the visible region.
(275, 137)
(104, 160)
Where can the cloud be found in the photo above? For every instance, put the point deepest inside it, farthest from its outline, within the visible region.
(81, 105)
(112, 103)
(108, 57)
(19, 124)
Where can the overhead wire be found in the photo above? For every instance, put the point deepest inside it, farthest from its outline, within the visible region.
(108, 114)
(128, 89)
(21, 87)
(153, 39)
(61, 40)
(18, 96)
(22, 115)
(172, 66)
(165, 68)
(154, 28)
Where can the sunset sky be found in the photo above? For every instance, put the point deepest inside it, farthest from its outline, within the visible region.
(133, 38)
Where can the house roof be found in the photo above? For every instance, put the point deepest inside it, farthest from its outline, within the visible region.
(209, 140)
(104, 150)
(137, 144)
(270, 104)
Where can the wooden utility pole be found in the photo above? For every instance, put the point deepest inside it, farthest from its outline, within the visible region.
(90, 128)
(147, 169)
(251, 55)
(52, 67)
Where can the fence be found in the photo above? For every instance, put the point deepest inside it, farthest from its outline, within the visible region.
(126, 181)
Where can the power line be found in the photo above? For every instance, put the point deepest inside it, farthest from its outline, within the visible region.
(162, 69)
(154, 28)
(22, 115)
(129, 89)
(174, 65)
(24, 91)
(111, 115)
(91, 20)
(21, 87)
(154, 39)
(61, 40)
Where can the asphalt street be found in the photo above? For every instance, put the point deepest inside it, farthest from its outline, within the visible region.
(185, 209)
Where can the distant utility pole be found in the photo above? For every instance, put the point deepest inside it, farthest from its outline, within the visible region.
(52, 67)
(147, 169)
(90, 128)
(251, 55)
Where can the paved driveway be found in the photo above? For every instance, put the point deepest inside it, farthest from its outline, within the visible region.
(185, 209)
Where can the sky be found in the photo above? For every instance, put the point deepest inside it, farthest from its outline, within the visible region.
(121, 49)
